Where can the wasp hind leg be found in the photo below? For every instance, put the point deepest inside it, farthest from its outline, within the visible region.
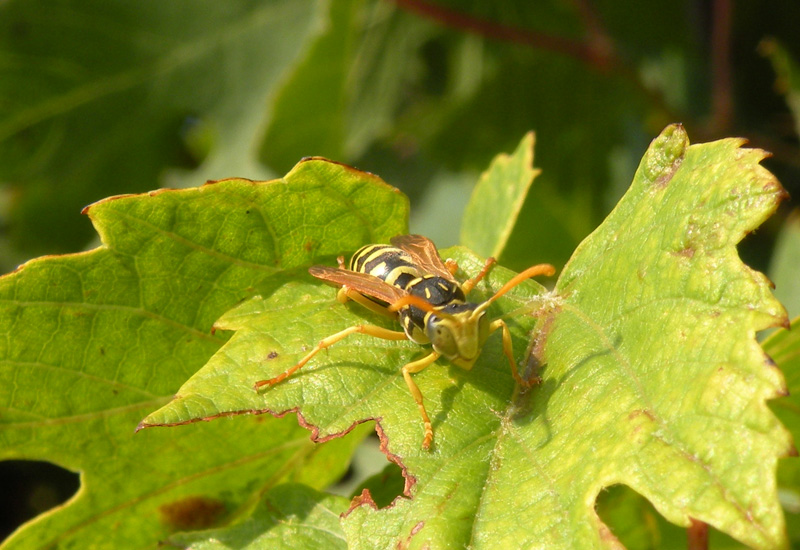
(371, 330)
(346, 293)
(408, 370)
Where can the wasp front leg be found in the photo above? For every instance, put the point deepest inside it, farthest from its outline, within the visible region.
(408, 370)
(508, 350)
(371, 330)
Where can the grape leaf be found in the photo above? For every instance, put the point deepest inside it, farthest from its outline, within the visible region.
(652, 379)
(783, 346)
(96, 89)
(785, 263)
(94, 341)
(355, 380)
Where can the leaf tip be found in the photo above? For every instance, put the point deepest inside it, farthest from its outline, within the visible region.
(141, 426)
(665, 155)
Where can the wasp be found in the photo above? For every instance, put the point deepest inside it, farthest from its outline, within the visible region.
(408, 281)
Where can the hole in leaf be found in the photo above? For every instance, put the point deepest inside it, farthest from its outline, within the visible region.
(30, 488)
(384, 486)
(639, 526)
(369, 470)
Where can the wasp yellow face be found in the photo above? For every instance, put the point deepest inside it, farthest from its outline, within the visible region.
(458, 332)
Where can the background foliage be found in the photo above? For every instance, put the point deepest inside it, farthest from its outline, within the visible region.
(101, 98)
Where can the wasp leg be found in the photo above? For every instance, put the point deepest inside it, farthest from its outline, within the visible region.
(371, 330)
(408, 370)
(469, 284)
(346, 293)
(451, 265)
(508, 350)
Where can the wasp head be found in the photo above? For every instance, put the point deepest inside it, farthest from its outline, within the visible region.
(458, 332)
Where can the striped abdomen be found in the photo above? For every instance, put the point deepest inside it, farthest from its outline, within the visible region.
(387, 263)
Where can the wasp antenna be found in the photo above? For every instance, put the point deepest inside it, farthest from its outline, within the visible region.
(533, 271)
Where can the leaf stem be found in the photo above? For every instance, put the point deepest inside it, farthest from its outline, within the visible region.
(697, 535)
(721, 95)
(597, 53)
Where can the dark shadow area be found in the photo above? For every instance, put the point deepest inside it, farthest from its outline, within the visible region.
(28, 488)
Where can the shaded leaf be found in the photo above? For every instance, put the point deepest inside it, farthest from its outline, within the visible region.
(783, 346)
(97, 94)
(288, 517)
(94, 341)
(347, 88)
(788, 76)
(785, 265)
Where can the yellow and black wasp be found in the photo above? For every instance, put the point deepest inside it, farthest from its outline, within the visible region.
(408, 281)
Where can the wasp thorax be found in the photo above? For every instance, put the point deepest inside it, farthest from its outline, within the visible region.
(458, 332)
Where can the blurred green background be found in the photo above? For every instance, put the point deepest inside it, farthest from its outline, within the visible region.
(99, 98)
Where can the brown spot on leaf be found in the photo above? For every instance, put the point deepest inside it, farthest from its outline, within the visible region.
(633, 415)
(686, 252)
(607, 535)
(403, 544)
(638, 412)
(272, 355)
(195, 512)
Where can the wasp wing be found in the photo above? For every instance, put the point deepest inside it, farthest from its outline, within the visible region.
(366, 284)
(424, 253)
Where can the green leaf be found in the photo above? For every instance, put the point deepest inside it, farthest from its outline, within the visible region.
(656, 336)
(347, 88)
(95, 90)
(497, 199)
(652, 379)
(788, 76)
(353, 381)
(650, 369)
(783, 346)
(786, 263)
(289, 517)
(94, 341)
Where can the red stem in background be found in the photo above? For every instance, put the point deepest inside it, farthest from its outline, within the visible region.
(721, 94)
(592, 52)
(697, 535)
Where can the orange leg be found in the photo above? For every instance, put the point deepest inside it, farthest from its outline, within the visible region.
(371, 330)
(346, 293)
(408, 370)
(508, 351)
(469, 284)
